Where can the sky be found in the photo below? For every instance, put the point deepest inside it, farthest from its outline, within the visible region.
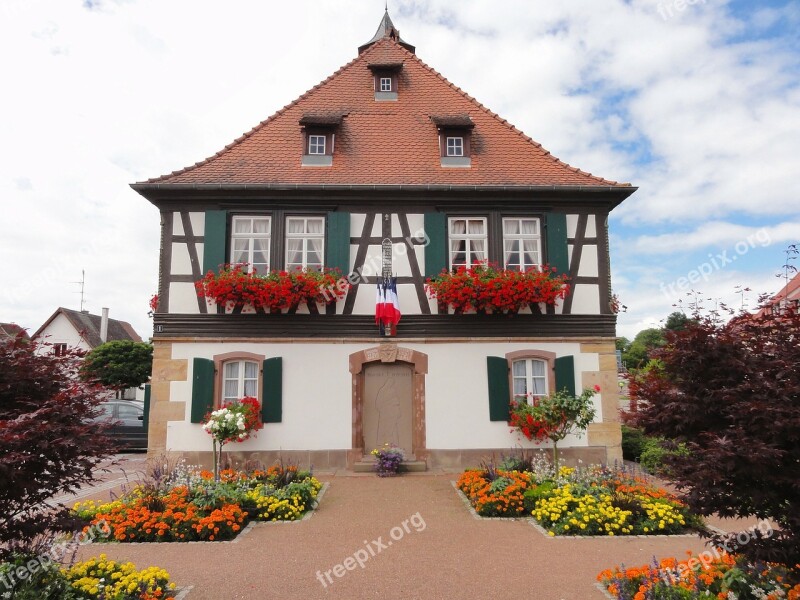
(695, 102)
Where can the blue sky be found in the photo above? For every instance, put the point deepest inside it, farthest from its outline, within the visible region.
(696, 103)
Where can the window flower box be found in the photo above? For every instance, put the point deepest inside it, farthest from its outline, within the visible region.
(237, 290)
(487, 289)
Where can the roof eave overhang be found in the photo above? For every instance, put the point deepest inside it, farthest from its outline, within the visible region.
(158, 192)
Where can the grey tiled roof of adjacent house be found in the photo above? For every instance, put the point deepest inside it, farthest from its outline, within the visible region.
(89, 327)
(10, 330)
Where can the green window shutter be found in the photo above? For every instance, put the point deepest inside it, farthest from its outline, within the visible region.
(338, 256)
(565, 374)
(202, 388)
(215, 240)
(272, 390)
(499, 391)
(436, 250)
(146, 412)
(557, 254)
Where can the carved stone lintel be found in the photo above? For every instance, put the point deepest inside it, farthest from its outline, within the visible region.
(388, 353)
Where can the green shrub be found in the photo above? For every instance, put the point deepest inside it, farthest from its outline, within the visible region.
(633, 443)
(543, 490)
(45, 583)
(654, 454)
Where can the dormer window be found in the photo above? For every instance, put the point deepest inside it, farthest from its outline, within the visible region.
(316, 144)
(455, 136)
(319, 137)
(385, 78)
(455, 146)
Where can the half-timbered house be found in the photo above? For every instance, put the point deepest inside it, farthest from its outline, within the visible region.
(384, 149)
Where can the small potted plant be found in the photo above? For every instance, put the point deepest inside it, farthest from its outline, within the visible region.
(387, 460)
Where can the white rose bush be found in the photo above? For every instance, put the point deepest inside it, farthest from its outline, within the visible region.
(233, 422)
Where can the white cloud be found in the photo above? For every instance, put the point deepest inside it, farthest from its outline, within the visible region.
(719, 235)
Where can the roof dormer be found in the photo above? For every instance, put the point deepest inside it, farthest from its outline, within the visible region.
(385, 78)
(455, 139)
(319, 137)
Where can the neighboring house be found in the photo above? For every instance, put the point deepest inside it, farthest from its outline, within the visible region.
(11, 330)
(68, 328)
(385, 148)
(788, 297)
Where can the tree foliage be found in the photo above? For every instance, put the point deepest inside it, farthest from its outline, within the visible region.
(639, 349)
(119, 364)
(48, 443)
(731, 393)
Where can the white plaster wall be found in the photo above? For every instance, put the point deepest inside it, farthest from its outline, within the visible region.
(177, 224)
(591, 226)
(183, 298)
(61, 331)
(317, 395)
(317, 400)
(198, 220)
(589, 262)
(357, 224)
(181, 263)
(572, 225)
(586, 299)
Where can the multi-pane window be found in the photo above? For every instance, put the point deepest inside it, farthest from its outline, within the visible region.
(239, 379)
(59, 349)
(386, 84)
(455, 146)
(521, 243)
(305, 241)
(250, 242)
(316, 144)
(529, 378)
(467, 241)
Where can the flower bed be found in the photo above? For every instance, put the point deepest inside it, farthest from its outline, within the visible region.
(93, 579)
(234, 288)
(592, 501)
(712, 575)
(192, 506)
(489, 289)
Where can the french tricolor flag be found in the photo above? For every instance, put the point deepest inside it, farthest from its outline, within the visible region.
(387, 306)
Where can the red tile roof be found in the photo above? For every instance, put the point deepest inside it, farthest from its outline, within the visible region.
(384, 143)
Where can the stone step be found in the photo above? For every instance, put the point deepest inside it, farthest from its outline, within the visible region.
(407, 466)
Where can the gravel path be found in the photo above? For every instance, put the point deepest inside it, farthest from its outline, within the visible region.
(415, 539)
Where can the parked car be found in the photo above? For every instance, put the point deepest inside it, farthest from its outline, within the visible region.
(128, 430)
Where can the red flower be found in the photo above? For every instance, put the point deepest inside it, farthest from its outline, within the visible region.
(596, 388)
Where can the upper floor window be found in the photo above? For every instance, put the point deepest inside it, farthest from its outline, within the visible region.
(305, 242)
(467, 241)
(59, 349)
(386, 84)
(455, 146)
(529, 377)
(250, 239)
(521, 243)
(316, 144)
(239, 379)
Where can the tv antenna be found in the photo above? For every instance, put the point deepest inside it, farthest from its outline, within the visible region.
(81, 283)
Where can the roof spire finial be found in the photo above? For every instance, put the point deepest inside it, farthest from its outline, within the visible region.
(386, 29)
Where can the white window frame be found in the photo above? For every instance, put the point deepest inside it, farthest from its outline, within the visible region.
(306, 238)
(457, 146)
(521, 238)
(251, 237)
(468, 239)
(314, 144)
(385, 84)
(240, 380)
(529, 377)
